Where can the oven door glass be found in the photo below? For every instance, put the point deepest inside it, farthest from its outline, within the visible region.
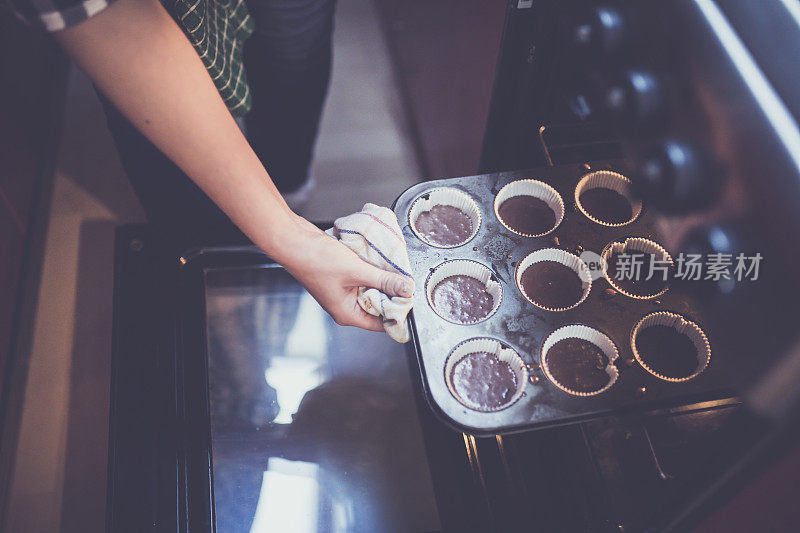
(313, 426)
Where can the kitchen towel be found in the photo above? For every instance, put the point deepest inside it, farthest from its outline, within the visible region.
(375, 236)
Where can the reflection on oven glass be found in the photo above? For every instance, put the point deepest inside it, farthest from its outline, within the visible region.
(314, 426)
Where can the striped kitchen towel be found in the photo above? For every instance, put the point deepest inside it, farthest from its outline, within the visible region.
(375, 236)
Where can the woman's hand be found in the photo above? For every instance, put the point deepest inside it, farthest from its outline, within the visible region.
(139, 58)
(332, 274)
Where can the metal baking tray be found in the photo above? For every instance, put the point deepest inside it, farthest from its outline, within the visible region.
(523, 327)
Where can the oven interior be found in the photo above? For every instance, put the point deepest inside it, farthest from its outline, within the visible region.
(670, 87)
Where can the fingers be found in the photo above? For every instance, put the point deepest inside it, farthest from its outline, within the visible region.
(361, 319)
(388, 283)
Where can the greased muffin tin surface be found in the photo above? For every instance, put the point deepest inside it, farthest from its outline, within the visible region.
(523, 327)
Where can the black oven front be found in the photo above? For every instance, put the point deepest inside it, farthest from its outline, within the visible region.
(238, 405)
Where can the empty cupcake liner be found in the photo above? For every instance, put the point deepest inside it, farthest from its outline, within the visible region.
(635, 244)
(537, 189)
(503, 353)
(560, 256)
(682, 325)
(445, 196)
(579, 331)
(464, 267)
(605, 179)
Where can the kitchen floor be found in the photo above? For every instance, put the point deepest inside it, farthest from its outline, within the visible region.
(364, 153)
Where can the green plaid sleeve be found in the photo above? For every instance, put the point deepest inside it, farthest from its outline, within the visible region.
(217, 30)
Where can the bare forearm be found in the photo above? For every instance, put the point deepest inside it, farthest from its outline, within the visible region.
(143, 63)
(140, 59)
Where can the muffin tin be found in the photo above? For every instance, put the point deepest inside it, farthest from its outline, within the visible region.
(521, 326)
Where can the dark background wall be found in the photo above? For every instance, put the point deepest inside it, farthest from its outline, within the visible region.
(444, 54)
(32, 80)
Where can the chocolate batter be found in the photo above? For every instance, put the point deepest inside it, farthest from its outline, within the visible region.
(462, 299)
(483, 380)
(607, 205)
(578, 365)
(667, 351)
(444, 225)
(552, 284)
(527, 214)
(639, 285)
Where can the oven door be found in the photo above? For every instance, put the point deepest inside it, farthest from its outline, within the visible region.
(239, 405)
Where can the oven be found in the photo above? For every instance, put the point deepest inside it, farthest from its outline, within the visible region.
(238, 405)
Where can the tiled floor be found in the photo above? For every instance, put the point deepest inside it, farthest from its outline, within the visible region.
(363, 154)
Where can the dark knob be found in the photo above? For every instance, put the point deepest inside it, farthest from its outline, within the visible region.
(601, 32)
(728, 238)
(724, 238)
(635, 100)
(676, 177)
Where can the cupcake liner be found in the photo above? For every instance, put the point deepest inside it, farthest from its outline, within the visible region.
(464, 267)
(635, 244)
(560, 256)
(682, 325)
(537, 189)
(485, 344)
(605, 179)
(445, 196)
(579, 331)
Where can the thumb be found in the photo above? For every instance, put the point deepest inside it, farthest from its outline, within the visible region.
(387, 282)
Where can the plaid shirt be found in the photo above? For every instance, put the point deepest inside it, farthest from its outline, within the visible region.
(216, 28)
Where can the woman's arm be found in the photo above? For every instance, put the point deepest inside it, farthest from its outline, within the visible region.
(139, 58)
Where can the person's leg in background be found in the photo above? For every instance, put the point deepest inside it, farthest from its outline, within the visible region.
(288, 66)
(171, 201)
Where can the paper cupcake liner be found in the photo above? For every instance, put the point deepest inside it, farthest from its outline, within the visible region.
(537, 189)
(682, 325)
(559, 256)
(635, 244)
(579, 331)
(445, 196)
(464, 267)
(493, 346)
(605, 179)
